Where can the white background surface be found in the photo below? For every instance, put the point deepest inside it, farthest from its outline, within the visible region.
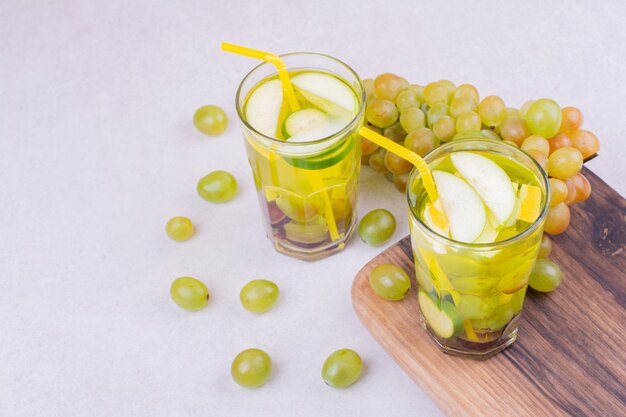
(97, 151)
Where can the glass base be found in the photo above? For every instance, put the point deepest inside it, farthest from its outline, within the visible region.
(314, 253)
(475, 350)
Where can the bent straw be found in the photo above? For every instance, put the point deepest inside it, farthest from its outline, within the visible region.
(412, 157)
(283, 74)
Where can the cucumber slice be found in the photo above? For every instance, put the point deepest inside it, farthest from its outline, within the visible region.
(328, 93)
(305, 120)
(263, 107)
(324, 159)
(441, 316)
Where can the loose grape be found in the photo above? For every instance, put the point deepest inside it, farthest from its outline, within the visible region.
(396, 164)
(400, 180)
(468, 121)
(435, 93)
(259, 295)
(368, 86)
(407, 99)
(586, 142)
(545, 248)
(523, 111)
(376, 227)
(461, 105)
(571, 191)
(436, 111)
(513, 128)
(390, 282)
(557, 220)
(395, 133)
(492, 110)
(541, 159)
(251, 368)
(387, 86)
(377, 160)
(467, 91)
(381, 113)
(421, 141)
(179, 228)
(565, 162)
(558, 191)
(546, 276)
(561, 140)
(444, 128)
(583, 188)
(189, 293)
(342, 368)
(217, 187)
(450, 88)
(571, 119)
(210, 120)
(538, 143)
(412, 118)
(544, 118)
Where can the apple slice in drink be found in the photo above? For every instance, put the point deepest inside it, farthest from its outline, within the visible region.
(263, 107)
(463, 207)
(490, 182)
(327, 93)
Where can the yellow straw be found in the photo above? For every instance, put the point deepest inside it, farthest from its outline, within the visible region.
(404, 153)
(283, 74)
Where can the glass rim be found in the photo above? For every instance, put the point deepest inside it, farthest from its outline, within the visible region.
(344, 130)
(493, 245)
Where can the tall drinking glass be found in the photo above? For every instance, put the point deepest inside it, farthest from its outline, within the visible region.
(305, 163)
(471, 294)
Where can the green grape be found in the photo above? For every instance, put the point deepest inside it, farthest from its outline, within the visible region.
(390, 282)
(583, 188)
(514, 129)
(259, 295)
(189, 293)
(381, 113)
(419, 92)
(469, 134)
(368, 147)
(565, 162)
(387, 86)
(412, 118)
(523, 111)
(376, 227)
(468, 121)
(377, 161)
(490, 134)
(400, 180)
(396, 164)
(251, 368)
(421, 141)
(546, 276)
(444, 128)
(435, 93)
(539, 143)
(557, 220)
(571, 119)
(436, 111)
(561, 140)
(545, 248)
(450, 88)
(217, 187)
(342, 368)
(511, 112)
(543, 118)
(558, 191)
(540, 157)
(586, 142)
(406, 100)
(467, 91)
(179, 228)
(492, 111)
(395, 132)
(571, 191)
(368, 87)
(210, 120)
(461, 105)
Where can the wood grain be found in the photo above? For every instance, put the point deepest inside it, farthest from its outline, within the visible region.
(570, 355)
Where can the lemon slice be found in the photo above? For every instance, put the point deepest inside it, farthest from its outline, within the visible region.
(530, 203)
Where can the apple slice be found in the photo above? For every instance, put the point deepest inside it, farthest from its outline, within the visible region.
(490, 182)
(462, 206)
(327, 93)
(263, 107)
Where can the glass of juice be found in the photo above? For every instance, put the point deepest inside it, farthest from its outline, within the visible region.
(306, 162)
(475, 247)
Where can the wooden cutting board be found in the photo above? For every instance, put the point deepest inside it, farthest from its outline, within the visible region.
(570, 355)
